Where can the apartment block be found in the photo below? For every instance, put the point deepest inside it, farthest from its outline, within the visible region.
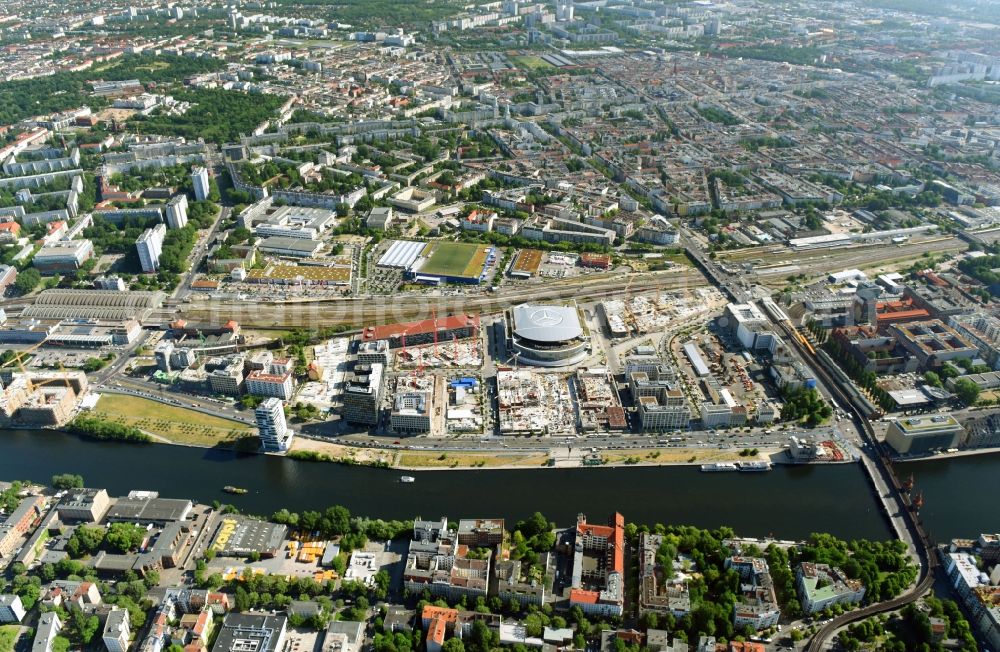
(658, 593)
(821, 586)
(757, 605)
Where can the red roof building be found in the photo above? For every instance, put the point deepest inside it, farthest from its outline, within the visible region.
(599, 583)
(422, 332)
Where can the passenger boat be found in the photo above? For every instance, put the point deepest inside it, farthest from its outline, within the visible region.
(719, 467)
(754, 467)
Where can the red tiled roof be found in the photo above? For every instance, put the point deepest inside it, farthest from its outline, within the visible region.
(587, 597)
(437, 630)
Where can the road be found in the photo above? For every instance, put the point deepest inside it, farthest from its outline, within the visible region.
(183, 289)
(884, 484)
(887, 490)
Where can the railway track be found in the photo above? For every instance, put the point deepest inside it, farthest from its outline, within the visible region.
(879, 469)
(381, 310)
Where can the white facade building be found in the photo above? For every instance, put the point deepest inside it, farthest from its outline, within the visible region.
(150, 246)
(177, 214)
(274, 432)
(199, 177)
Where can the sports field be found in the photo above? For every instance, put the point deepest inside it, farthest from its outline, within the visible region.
(455, 259)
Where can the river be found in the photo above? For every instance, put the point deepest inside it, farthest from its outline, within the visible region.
(788, 502)
(960, 494)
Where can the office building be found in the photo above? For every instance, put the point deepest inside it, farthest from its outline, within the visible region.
(659, 400)
(150, 246)
(63, 257)
(375, 351)
(116, 630)
(177, 216)
(363, 394)
(274, 432)
(226, 375)
(744, 320)
(252, 632)
(199, 179)
(411, 411)
(922, 435)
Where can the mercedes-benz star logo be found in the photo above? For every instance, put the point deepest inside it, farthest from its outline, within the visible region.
(544, 317)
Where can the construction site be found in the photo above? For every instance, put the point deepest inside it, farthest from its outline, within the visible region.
(465, 405)
(597, 403)
(531, 403)
(454, 354)
(641, 314)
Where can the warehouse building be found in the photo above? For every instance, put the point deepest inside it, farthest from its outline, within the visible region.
(239, 536)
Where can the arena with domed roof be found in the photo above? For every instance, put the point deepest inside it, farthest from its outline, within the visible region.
(546, 335)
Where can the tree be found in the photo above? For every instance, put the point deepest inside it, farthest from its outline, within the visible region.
(85, 626)
(27, 280)
(60, 644)
(381, 584)
(85, 541)
(453, 645)
(67, 481)
(125, 537)
(967, 391)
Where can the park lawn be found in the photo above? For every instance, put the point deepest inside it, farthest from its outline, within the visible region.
(431, 459)
(178, 425)
(531, 62)
(8, 636)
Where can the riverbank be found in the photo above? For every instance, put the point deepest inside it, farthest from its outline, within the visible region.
(969, 452)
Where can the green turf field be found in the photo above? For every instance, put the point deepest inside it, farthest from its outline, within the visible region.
(459, 259)
(531, 62)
